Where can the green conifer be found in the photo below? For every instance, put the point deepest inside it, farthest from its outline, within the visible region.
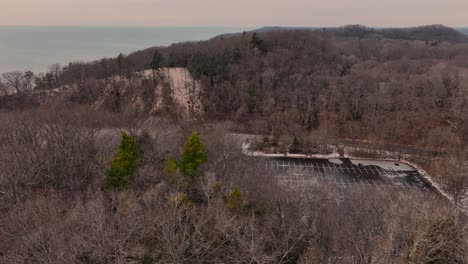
(124, 163)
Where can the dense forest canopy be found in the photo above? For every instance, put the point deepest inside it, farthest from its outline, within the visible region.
(357, 81)
(388, 86)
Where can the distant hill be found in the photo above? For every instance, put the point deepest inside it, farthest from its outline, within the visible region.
(424, 33)
(285, 28)
(432, 32)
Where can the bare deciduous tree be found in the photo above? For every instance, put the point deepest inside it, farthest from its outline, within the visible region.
(14, 79)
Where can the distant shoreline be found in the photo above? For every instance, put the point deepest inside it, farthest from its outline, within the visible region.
(36, 48)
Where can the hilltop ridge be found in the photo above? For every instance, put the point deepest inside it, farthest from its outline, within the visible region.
(423, 33)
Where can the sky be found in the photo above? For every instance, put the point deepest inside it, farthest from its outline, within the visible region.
(235, 13)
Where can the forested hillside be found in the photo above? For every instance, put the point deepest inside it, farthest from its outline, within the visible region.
(352, 84)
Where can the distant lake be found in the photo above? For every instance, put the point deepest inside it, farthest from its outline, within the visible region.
(36, 48)
(464, 30)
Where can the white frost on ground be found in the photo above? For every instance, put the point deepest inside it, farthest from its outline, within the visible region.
(393, 176)
(387, 165)
(336, 161)
(463, 206)
(246, 151)
(385, 153)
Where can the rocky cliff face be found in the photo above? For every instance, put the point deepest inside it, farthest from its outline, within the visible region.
(166, 90)
(184, 92)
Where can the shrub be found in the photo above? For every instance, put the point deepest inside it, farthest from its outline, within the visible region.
(234, 200)
(170, 165)
(180, 200)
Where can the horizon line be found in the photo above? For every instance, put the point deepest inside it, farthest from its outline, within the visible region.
(226, 26)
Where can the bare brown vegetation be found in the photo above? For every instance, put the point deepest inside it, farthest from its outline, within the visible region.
(304, 90)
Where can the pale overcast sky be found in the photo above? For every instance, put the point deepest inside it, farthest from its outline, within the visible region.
(234, 12)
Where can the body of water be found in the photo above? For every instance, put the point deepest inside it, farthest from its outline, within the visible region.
(36, 48)
(464, 30)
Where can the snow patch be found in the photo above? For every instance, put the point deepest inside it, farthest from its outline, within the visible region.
(336, 161)
(393, 176)
(387, 165)
(246, 151)
(463, 206)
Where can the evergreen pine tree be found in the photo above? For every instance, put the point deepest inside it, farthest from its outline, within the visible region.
(257, 43)
(193, 156)
(120, 62)
(296, 146)
(157, 60)
(124, 163)
(156, 63)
